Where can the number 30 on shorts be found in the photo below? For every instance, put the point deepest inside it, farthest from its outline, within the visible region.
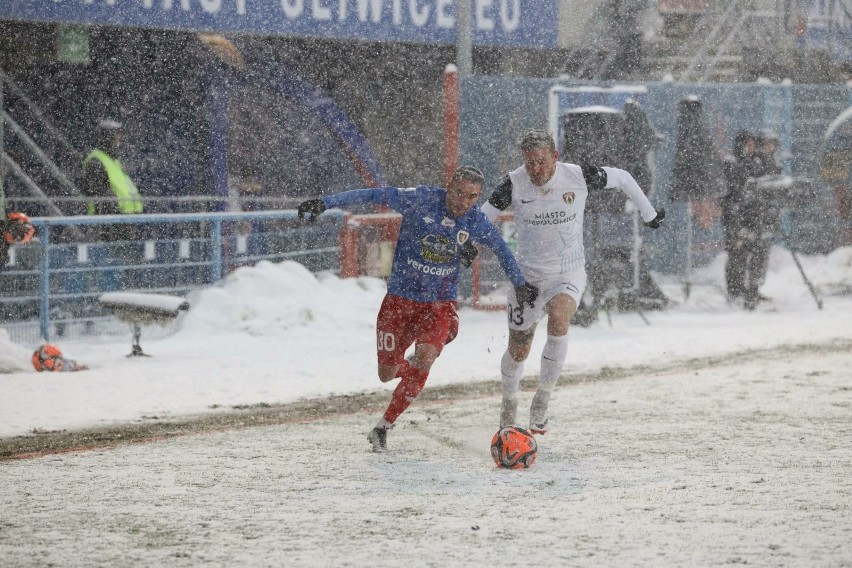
(386, 341)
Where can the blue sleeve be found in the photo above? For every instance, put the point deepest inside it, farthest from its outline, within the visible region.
(488, 235)
(355, 197)
(393, 197)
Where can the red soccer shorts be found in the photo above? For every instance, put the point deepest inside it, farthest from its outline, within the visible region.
(402, 322)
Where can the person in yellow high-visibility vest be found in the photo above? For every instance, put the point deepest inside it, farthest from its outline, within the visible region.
(104, 176)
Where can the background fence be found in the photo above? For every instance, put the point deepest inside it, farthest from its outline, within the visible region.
(49, 288)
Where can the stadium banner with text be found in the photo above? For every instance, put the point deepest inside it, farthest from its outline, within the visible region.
(523, 23)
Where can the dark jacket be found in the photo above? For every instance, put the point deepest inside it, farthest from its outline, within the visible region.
(697, 174)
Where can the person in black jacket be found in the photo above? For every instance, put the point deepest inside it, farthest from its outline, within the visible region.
(748, 221)
(766, 213)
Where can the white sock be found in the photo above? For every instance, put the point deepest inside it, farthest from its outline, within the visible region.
(552, 358)
(511, 372)
(383, 424)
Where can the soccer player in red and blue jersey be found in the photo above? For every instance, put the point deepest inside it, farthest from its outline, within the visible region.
(435, 238)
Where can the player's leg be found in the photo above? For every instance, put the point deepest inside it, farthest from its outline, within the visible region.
(410, 383)
(562, 302)
(437, 328)
(434, 326)
(511, 371)
(394, 335)
(522, 324)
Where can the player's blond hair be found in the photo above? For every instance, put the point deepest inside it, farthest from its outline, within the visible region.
(537, 138)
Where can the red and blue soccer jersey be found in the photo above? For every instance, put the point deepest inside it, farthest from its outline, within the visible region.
(426, 262)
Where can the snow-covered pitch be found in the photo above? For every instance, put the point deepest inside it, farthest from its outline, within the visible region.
(727, 441)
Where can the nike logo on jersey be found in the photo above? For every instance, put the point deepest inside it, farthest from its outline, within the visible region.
(527, 200)
(428, 220)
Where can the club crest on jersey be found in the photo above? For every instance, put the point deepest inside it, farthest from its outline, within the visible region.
(447, 222)
(568, 197)
(462, 237)
(437, 248)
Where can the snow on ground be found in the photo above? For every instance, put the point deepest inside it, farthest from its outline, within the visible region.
(276, 333)
(744, 461)
(742, 464)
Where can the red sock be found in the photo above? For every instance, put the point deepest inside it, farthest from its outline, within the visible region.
(410, 385)
(404, 369)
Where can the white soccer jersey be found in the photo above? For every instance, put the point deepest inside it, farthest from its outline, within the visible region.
(549, 219)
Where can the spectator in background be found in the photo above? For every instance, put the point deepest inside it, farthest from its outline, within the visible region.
(745, 218)
(767, 214)
(104, 176)
(766, 145)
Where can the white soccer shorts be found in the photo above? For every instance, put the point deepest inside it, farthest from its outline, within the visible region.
(571, 283)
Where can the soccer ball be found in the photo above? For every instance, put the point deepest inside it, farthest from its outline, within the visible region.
(513, 448)
(47, 358)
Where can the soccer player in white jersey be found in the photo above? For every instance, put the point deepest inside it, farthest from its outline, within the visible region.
(548, 198)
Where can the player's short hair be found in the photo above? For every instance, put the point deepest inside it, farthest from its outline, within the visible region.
(537, 138)
(468, 173)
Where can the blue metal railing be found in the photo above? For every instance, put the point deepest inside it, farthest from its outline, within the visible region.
(169, 253)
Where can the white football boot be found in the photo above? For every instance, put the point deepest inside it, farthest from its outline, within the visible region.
(538, 412)
(508, 412)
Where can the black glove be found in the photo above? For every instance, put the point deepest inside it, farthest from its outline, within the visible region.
(312, 207)
(468, 254)
(526, 294)
(658, 220)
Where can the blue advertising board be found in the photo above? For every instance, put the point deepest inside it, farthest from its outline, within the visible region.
(523, 23)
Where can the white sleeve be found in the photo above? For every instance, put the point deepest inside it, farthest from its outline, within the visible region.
(621, 179)
(490, 211)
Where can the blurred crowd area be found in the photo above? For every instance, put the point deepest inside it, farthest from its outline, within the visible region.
(162, 87)
(251, 122)
(183, 96)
